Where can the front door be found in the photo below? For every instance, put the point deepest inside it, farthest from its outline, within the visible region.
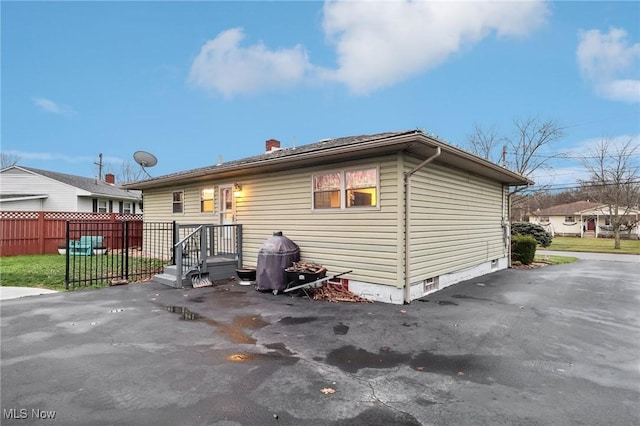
(226, 240)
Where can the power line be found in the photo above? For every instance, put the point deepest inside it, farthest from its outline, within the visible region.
(557, 187)
(565, 156)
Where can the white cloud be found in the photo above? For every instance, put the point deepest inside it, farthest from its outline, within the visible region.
(223, 65)
(51, 156)
(605, 58)
(50, 106)
(379, 44)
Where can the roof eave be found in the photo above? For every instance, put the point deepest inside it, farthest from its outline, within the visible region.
(415, 143)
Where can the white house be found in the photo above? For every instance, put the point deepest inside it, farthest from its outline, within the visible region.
(28, 189)
(585, 219)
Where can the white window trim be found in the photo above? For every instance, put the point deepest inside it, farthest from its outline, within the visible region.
(106, 206)
(213, 200)
(124, 207)
(343, 190)
(183, 202)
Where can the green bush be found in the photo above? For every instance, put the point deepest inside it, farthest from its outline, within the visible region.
(523, 248)
(533, 229)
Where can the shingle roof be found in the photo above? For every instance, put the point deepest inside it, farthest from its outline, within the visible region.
(566, 209)
(326, 151)
(92, 185)
(287, 152)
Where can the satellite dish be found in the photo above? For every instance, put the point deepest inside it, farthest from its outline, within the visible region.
(145, 159)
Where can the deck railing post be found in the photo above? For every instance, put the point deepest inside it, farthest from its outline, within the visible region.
(239, 244)
(203, 246)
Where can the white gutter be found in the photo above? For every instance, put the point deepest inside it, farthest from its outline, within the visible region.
(407, 226)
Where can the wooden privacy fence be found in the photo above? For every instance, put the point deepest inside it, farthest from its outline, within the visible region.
(38, 232)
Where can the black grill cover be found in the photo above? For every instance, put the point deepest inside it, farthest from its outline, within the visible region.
(275, 255)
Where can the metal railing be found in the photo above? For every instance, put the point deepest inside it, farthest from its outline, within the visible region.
(107, 253)
(198, 243)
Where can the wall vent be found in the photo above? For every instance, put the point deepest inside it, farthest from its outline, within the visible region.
(430, 284)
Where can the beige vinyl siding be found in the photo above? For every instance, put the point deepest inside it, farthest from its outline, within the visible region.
(456, 221)
(362, 240)
(158, 205)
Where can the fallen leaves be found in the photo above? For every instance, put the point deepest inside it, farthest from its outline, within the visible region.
(336, 293)
(327, 391)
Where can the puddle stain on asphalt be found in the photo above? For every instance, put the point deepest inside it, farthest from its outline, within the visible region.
(351, 359)
(296, 320)
(340, 329)
(446, 302)
(381, 416)
(464, 296)
(234, 332)
(481, 369)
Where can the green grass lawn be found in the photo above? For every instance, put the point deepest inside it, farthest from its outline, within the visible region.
(597, 245)
(44, 271)
(554, 260)
(48, 270)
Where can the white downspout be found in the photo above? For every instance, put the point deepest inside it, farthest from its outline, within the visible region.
(407, 224)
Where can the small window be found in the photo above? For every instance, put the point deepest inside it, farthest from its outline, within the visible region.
(126, 207)
(570, 219)
(103, 206)
(178, 201)
(544, 219)
(206, 200)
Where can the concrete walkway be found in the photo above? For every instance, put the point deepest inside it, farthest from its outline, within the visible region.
(16, 292)
(609, 257)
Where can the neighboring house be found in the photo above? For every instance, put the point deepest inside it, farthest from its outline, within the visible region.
(407, 213)
(584, 219)
(28, 189)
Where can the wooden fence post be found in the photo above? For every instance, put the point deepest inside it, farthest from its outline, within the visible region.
(41, 232)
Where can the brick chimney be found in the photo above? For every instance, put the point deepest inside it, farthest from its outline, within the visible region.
(272, 145)
(110, 178)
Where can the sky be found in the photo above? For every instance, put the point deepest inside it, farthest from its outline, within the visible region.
(192, 82)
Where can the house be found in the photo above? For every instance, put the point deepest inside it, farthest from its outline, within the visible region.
(585, 219)
(407, 213)
(28, 189)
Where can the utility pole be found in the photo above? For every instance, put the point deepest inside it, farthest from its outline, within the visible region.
(99, 164)
(504, 156)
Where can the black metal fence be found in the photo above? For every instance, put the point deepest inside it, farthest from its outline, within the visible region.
(108, 253)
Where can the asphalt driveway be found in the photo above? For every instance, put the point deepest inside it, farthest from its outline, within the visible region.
(558, 345)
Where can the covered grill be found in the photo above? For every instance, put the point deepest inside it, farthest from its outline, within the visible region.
(275, 255)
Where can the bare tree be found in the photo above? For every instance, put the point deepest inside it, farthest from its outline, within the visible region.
(8, 159)
(614, 182)
(524, 152)
(485, 142)
(130, 172)
(526, 148)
